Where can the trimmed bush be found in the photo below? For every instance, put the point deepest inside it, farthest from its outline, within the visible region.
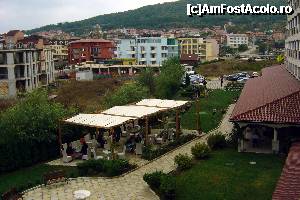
(200, 151)
(106, 167)
(153, 179)
(168, 186)
(216, 141)
(183, 161)
(163, 184)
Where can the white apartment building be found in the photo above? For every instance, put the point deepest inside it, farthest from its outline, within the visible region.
(24, 67)
(148, 50)
(292, 42)
(235, 40)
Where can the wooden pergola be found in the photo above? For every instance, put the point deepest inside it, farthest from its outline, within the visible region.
(119, 115)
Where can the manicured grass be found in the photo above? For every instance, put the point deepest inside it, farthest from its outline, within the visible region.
(216, 99)
(29, 177)
(227, 174)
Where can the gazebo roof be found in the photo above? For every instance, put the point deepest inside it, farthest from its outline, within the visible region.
(122, 114)
(161, 103)
(132, 111)
(98, 120)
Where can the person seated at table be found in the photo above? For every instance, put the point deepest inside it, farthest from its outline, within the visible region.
(118, 133)
(71, 152)
(130, 144)
(84, 147)
(138, 139)
(101, 140)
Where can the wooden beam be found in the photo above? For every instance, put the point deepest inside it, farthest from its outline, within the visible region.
(177, 124)
(146, 130)
(198, 115)
(112, 145)
(59, 137)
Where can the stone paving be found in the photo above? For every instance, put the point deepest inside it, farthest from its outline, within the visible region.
(127, 187)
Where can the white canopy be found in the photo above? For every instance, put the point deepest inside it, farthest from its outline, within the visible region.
(132, 111)
(160, 103)
(98, 120)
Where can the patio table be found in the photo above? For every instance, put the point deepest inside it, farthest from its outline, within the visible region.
(81, 194)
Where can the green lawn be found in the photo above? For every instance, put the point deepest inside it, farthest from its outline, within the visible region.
(217, 99)
(228, 175)
(31, 176)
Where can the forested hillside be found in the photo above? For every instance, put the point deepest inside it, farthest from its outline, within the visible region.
(173, 14)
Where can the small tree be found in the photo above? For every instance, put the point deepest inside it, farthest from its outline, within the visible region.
(169, 81)
(146, 78)
(127, 93)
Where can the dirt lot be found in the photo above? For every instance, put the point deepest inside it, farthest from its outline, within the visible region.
(86, 95)
(232, 66)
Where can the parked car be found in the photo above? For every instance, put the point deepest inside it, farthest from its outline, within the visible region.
(238, 76)
(254, 74)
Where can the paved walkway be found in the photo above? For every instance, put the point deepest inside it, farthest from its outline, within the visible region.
(130, 186)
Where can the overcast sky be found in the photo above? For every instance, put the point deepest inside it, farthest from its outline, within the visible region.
(28, 14)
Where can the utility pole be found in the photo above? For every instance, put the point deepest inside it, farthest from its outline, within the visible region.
(198, 111)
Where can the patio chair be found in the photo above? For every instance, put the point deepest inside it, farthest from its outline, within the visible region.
(139, 149)
(121, 155)
(123, 132)
(65, 157)
(93, 150)
(87, 137)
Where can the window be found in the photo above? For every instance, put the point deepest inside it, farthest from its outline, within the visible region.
(152, 48)
(3, 73)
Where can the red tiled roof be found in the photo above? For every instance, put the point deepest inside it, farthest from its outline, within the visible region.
(288, 185)
(90, 41)
(274, 97)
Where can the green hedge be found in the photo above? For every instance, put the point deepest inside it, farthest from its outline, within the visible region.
(149, 153)
(163, 184)
(104, 167)
(26, 152)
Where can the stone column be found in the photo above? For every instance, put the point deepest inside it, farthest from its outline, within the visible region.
(275, 141)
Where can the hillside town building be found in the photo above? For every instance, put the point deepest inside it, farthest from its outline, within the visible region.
(148, 50)
(205, 49)
(25, 64)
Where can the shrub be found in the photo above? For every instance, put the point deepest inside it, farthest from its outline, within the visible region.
(183, 161)
(200, 150)
(162, 183)
(168, 186)
(216, 141)
(153, 179)
(28, 131)
(107, 167)
(150, 154)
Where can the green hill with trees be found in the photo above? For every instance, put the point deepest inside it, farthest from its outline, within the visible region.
(173, 14)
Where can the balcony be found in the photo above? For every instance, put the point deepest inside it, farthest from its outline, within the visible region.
(131, 52)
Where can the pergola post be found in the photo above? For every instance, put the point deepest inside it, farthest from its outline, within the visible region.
(177, 124)
(112, 146)
(59, 137)
(146, 130)
(198, 115)
(275, 142)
